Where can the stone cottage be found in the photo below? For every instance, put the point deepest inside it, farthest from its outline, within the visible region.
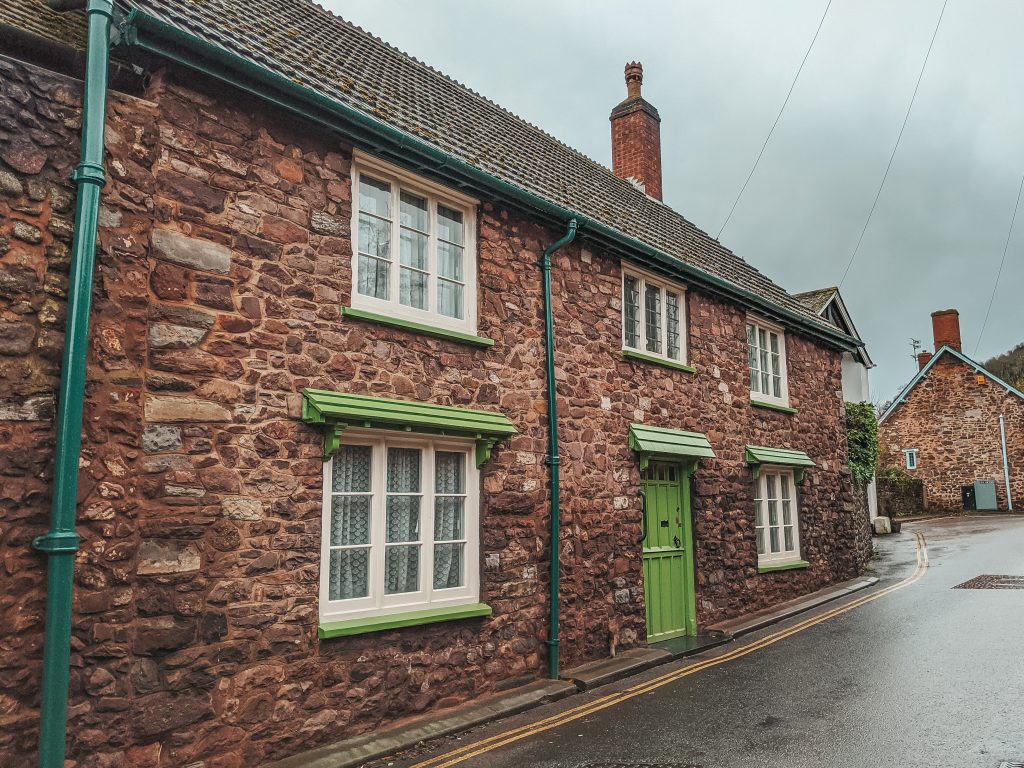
(355, 330)
(956, 424)
(857, 365)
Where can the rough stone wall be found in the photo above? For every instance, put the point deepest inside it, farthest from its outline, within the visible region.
(899, 496)
(39, 130)
(223, 263)
(952, 419)
(604, 393)
(862, 524)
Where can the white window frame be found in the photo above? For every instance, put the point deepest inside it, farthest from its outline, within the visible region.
(768, 328)
(435, 194)
(645, 279)
(760, 493)
(911, 457)
(376, 603)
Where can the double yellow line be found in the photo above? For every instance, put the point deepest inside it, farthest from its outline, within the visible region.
(516, 734)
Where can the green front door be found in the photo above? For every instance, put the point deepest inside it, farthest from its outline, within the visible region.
(668, 552)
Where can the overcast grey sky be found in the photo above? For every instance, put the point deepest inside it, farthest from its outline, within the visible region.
(718, 73)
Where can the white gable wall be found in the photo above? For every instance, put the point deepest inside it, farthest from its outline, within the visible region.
(855, 380)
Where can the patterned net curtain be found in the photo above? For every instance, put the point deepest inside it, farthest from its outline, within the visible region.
(449, 519)
(402, 552)
(350, 523)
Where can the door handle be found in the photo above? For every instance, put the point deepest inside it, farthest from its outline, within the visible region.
(677, 542)
(643, 519)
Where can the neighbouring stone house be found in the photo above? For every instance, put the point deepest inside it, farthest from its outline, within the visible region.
(312, 246)
(829, 304)
(955, 424)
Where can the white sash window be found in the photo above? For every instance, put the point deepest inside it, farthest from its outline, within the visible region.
(766, 357)
(401, 522)
(776, 522)
(414, 254)
(653, 316)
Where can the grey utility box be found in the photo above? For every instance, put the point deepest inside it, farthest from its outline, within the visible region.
(985, 494)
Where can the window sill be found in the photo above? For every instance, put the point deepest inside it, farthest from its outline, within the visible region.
(772, 567)
(362, 626)
(628, 353)
(772, 406)
(408, 325)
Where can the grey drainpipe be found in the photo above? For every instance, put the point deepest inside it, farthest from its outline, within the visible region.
(1006, 463)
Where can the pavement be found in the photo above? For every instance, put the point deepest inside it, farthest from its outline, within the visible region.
(909, 673)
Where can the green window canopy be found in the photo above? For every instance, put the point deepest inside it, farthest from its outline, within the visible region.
(336, 411)
(758, 455)
(658, 442)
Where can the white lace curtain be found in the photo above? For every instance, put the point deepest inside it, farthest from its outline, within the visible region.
(350, 522)
(402, 563)
(449, 516)
(351, 513)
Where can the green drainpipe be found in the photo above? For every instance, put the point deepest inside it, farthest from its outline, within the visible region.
(553, 459)
(61, 543)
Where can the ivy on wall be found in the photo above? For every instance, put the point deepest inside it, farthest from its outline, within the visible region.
(862, 437)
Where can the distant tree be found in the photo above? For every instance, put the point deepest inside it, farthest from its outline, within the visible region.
(1009, 366)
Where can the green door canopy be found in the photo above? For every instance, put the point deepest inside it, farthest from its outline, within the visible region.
(658, 442)
(338, 410)
(758, 455)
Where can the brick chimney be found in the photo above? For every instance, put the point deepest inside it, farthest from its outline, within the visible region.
(636, 136)
(946, 329)
(923, 359)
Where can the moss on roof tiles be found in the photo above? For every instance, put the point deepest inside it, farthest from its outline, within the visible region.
(37, 18)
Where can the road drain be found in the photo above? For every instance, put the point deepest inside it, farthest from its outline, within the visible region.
(1006, 764)
(989, 581)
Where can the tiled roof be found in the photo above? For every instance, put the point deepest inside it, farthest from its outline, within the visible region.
(816, 301)
(38, 18)
(324, 53)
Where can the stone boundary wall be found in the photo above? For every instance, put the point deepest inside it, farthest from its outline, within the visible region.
(900, 497)
(862, 529)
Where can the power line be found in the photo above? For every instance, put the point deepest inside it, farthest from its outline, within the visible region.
(999, 273)
(903, 127)
(777, 118)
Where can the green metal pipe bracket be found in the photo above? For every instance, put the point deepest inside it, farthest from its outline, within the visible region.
(553, 460)
(61, 543)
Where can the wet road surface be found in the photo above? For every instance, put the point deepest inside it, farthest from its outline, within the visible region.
(924, 676)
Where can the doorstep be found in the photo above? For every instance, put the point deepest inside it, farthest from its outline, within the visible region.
(604, 671)
(688, 645)
(752, 622)
(379, 743)
(635, 660)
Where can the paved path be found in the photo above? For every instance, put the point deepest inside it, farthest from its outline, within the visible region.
(919, 675)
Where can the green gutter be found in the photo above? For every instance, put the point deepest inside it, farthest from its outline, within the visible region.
(148, 33)
(553, 459)
(61, 543)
